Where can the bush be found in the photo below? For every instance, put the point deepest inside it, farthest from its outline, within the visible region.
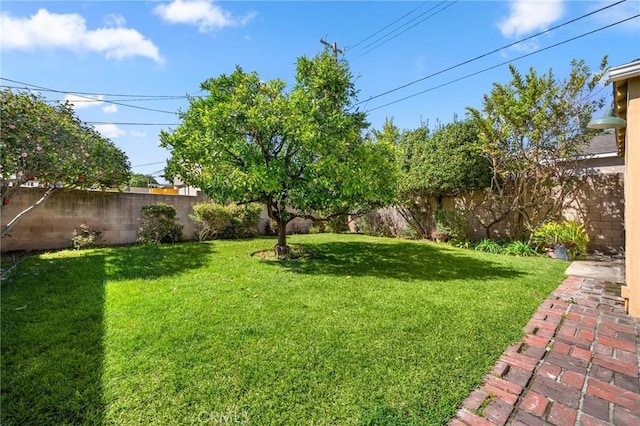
(159, 224)
(317, 227)
(464, 243)
(519, 248)
(272, 227)
(337, 224)
(409, 233)
(244, 221)
(87, 237)
(489, 246)
(377, 225)
(211, 219)
(217, 221)
(452, 224)
(571, 235)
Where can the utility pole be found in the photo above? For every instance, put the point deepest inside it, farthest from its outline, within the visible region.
(333, 46)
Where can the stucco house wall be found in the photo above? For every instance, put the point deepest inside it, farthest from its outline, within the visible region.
(626, 81)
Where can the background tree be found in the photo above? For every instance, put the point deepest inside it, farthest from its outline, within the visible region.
(50, 145)
(140, 180)
(532, 131)
(435, 165)
(297, 152)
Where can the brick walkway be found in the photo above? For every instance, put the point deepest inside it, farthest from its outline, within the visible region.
(577, 365)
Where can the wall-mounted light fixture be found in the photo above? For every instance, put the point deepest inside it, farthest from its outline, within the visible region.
(608, 121)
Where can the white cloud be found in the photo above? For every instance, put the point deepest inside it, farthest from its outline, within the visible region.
(114, 20)
(69, 31)
(110, 109)
(81, 102)
(618, 13)
(109, 131)
(527, 16)
(203, 13)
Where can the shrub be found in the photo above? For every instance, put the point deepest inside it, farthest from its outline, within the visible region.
(519, 248)
(377, 225)
(211, 219)
(337, 224)
(272, 227)
(409, 233)
(464, 243)
(489, 246)
(217, 221)
(452, 223)
(317, 227)
(244, 221)
(571, 235)
(159, 224)
(87, 237)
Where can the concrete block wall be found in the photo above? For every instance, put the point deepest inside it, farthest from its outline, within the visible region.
(115, 214)
(600, 205)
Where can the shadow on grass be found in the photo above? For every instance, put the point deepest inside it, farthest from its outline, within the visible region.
(155, 261)
(52, 313)
(52, 334)
(400, 260)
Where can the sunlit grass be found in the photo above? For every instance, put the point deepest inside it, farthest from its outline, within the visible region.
(362, 331)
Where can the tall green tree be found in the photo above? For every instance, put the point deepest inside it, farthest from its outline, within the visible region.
(532, 131)
(140, 180)
(434, 165)
(48, 144)
(297, 152)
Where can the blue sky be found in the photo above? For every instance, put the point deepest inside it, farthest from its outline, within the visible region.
(155, 52)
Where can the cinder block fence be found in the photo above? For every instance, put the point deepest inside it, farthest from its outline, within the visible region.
(600, 205)
(115, 214)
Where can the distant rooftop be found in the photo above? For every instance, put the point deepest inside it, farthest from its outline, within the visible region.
(604, 144)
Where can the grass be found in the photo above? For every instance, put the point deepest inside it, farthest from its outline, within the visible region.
(365, 331)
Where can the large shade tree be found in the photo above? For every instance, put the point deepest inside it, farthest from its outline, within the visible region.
(299, 152)
(433, 165)
(533, 131)
(49, 145)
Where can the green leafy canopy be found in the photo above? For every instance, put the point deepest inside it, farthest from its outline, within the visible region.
(533, 130)
(298, 152)
(50, 145)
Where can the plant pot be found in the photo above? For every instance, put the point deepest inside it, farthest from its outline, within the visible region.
(561, 253)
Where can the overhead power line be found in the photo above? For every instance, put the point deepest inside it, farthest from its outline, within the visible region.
(36, 87)
(448, 5)
(506, 62)
(75, 101)
(488, 53)
(75, 92)
(149, 164)
(132, 124)
(385, 27)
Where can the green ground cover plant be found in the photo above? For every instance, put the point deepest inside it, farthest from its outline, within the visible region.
(359, 331)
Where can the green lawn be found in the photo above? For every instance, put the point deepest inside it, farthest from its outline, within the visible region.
(364, 331)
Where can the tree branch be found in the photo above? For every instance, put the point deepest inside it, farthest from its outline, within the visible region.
(6, 228)
(239, 161)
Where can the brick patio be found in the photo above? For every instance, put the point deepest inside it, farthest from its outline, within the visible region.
(577, 364)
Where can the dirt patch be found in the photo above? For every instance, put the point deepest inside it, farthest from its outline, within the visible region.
(297, 252)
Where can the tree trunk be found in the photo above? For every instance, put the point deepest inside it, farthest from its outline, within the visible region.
(282, 248)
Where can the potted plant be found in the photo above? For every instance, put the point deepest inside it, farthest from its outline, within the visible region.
(567, 239)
